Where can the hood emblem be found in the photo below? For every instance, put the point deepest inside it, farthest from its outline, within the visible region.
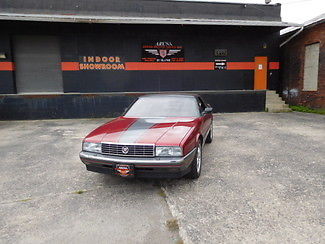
(125, 150)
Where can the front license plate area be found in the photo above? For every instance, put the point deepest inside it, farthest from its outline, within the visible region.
(124, 170)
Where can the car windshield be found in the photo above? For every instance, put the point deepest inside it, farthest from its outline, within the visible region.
(159, 106)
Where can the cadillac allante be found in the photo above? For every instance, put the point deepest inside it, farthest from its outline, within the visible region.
(159, 136)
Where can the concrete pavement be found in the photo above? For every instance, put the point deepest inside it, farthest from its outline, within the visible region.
(47, 196)
(262, 181)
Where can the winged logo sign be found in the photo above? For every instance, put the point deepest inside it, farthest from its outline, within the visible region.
(162, 52)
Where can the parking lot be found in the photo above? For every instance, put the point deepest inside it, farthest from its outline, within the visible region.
(262, 181)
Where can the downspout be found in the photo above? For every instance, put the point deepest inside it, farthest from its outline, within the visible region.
(297, 33)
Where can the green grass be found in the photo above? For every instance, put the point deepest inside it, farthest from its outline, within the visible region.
(172, 224)
(79, 192)
(307, 110)
(162, 193)
(25, 200)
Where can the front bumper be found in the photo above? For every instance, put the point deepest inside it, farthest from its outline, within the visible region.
(157, 167)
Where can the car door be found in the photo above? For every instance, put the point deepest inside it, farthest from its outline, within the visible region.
(206, 117)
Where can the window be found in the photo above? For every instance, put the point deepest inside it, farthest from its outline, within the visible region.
(163, 106)
(311, 67)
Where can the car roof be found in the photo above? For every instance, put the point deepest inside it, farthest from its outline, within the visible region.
(180, 95)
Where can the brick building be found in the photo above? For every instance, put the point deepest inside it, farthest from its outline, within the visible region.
(303, 64)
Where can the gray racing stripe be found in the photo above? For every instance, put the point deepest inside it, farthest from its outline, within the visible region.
(135, 131)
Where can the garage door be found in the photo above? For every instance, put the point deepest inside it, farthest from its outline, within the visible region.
(37, 60)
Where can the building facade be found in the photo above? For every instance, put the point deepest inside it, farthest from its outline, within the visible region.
(303, 65)
(62, 61)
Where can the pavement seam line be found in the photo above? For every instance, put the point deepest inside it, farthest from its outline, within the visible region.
(176, 214)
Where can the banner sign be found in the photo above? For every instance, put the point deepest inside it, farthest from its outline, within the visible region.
(162, 52)
(220, 64)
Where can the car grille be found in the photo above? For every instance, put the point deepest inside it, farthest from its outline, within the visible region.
(128, 150)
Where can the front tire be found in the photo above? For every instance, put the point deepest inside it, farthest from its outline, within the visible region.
(196, 164)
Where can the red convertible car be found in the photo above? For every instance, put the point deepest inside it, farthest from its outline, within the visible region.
(160, 136)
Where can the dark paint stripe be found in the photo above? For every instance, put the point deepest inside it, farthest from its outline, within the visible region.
(135, 131)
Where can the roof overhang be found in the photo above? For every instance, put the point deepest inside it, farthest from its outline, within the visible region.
(137, 20)
(308, 24)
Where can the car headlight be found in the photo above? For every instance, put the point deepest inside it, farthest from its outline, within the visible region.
(92, 147)
(169, 151)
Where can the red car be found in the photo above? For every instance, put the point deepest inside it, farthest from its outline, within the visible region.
(160, 136)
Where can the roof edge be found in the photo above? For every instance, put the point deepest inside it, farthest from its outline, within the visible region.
(308, 24)
(232, 3)
(138, 20)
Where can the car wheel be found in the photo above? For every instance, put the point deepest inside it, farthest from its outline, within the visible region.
(196, 164)
(210, 136)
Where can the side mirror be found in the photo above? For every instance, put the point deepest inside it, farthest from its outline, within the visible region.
(207, 110)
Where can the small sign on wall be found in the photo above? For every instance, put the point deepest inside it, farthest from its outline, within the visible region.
(220, 52)
(220, 64)
(162, 52)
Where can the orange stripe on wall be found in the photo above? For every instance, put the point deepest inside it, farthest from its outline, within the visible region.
(74, 66)
(69, 66)
(241, 65)
(7, 66)
(274, 65)
(169, 66)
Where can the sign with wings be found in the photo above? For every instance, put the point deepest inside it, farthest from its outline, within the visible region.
(162, 52)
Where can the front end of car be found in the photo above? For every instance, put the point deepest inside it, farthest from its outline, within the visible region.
(136, 159)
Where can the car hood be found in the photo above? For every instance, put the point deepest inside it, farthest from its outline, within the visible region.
(159, 131)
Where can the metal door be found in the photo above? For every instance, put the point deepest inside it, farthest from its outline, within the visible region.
(38, 64)
(260, 74)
